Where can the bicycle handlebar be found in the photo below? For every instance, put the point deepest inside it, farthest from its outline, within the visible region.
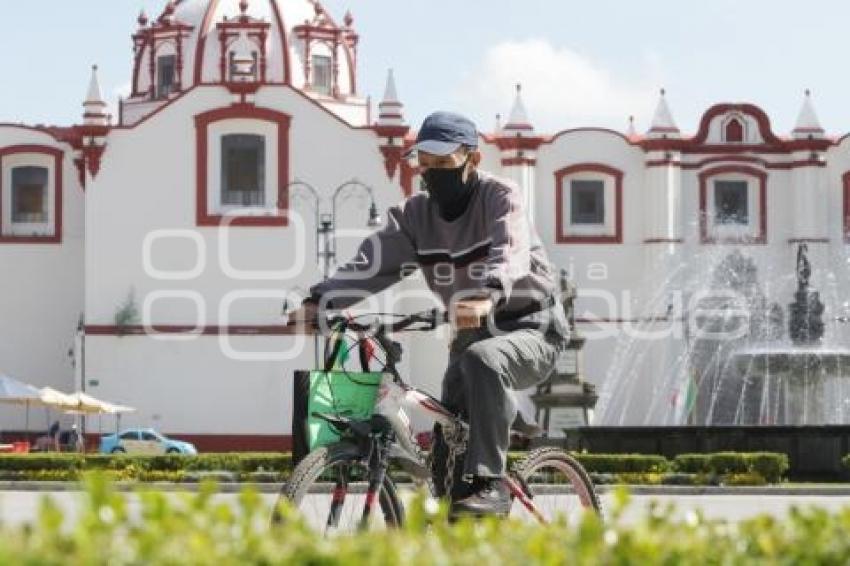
(432, 319)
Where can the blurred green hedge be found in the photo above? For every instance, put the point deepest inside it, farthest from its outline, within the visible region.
(201, 529)
(688, 469)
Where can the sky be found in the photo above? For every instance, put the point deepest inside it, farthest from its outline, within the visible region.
(580, 63)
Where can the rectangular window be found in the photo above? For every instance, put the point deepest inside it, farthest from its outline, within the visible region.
(587, 202)
(731, 202)
(322, 81)
(243, 174)
(165, 69)
(29, 195)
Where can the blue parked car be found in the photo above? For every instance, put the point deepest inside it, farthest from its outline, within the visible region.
(143, 441)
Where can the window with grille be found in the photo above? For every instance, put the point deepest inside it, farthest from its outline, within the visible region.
(243, 174)
(587, 202)
(322, 79)
(165, 84)
(29, 195)
(731, 202)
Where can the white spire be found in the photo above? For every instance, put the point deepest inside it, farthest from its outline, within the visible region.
(95, 95)
(631, 132)
(663, 124)
(94, 105)
(390, 92)
(518, 121)
(390, 109)
(808, 124)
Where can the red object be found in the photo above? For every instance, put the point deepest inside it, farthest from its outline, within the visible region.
(734, 131)
(424, 440)
(369, 347)
(21, 447)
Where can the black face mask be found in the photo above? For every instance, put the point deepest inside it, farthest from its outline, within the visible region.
(449, 191)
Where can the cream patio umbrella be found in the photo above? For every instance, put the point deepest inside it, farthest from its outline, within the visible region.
(85, 404)
(56, 399)
(19, 393)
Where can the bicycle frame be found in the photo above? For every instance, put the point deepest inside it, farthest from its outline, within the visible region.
(394, 397)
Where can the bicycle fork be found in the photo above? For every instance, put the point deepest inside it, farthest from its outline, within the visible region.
(378, 464)
(338, 497)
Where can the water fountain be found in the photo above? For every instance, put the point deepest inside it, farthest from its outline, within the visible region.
(797, 381)
(741, 375)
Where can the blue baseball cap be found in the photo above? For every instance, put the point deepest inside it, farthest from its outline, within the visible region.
(442, 133)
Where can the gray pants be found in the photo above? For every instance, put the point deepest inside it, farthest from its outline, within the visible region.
(483, 373)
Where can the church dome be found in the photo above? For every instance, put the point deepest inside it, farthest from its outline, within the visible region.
(294, 42)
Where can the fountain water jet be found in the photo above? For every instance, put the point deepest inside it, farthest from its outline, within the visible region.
(796, 382)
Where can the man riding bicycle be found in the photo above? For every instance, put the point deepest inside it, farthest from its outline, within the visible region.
(502, 295)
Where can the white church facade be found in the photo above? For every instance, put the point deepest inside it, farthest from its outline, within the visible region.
(145, 257)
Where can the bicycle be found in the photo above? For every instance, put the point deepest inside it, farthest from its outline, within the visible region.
(336, 487)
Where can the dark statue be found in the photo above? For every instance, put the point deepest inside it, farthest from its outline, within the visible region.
(805, 321)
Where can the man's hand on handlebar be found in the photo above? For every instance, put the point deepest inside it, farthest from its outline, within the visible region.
(469, 313)
(464, 314)
(305, 316)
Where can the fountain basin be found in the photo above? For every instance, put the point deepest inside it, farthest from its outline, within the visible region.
(783, 384)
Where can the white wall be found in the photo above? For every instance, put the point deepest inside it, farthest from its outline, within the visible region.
(41, 292)
(133, 197)
(147, 183)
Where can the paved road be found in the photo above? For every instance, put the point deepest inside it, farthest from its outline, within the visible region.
(17, 507)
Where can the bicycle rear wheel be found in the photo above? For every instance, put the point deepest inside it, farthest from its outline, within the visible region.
(557, 484)
(329, 488)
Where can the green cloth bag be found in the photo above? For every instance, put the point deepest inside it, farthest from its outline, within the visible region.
(349, 394)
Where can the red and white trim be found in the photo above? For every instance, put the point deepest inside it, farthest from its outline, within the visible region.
(205, 217)
(562, 235)
(761, 178)
(57, 155)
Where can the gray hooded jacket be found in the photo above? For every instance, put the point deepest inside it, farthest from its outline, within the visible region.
(490, 250)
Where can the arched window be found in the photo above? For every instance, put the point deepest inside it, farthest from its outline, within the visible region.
(733, 205)
(30, 194)
(243, 166)
(734, 131)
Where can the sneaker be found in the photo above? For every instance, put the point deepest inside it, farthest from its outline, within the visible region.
(489, 497)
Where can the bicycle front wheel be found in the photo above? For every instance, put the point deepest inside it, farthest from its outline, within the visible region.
(558, 486)
(329, 488)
